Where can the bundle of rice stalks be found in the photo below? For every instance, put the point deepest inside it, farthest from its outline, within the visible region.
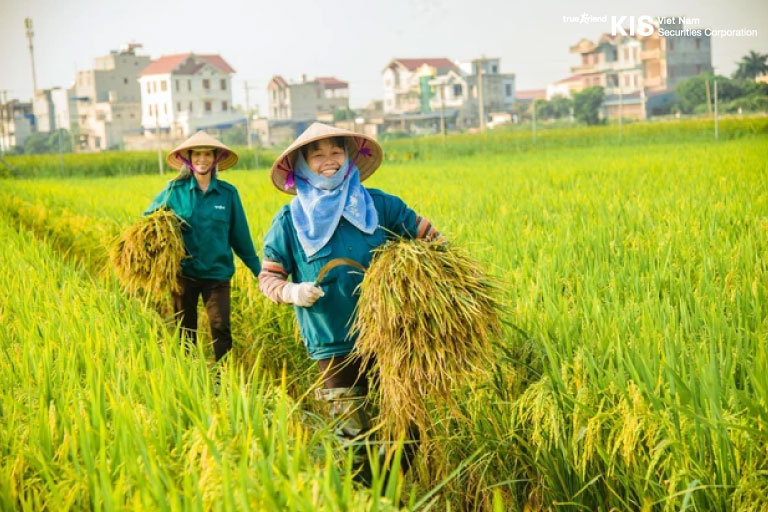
(425, 316)
(147, 255)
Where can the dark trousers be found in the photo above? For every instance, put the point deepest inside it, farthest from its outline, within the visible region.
(343, 372)
(216, 297)
(346, 385)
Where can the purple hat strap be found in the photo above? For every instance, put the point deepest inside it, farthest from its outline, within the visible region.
(221, 156)
(290, 177)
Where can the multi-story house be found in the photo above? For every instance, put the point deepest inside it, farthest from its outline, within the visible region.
(183, 93)
(613, 62)
(16, 123)
(406, 79)
(306, 100)
(108, 99)
(444, 88)
(666, 60)
(498, 89)
(633, 68)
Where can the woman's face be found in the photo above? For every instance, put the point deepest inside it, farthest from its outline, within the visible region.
(202, 159)
(325, 158)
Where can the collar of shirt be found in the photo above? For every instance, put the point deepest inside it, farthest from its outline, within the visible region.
(212, 187)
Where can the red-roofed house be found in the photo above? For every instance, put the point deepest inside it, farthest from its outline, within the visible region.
(402, 82)
(566, 86)
(183, 93)
(529, 95)
(305, 101)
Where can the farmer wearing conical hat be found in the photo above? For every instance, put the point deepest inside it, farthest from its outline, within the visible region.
(332, 218)
(214, 226)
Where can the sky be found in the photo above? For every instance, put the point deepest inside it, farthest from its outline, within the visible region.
(352, 41)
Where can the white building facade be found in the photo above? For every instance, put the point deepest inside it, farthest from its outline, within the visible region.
(183, 93)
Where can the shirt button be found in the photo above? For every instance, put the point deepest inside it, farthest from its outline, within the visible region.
(349, 249)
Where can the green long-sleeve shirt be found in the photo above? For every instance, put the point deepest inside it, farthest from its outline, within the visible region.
(325, 327)
(215, 226)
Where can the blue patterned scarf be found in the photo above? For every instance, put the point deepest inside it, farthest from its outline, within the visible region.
(320, 203)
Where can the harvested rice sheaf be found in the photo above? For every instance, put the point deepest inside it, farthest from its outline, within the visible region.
(147, 255)
(426, 314)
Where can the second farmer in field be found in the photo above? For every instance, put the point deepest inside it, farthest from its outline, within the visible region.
(214, 225)
(332, 225)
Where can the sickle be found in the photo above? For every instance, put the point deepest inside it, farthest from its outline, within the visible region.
(336, 262)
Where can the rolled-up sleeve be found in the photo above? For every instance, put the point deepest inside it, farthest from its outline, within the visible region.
(278, 262)
(403, 221)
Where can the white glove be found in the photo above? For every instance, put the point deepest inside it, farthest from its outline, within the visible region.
(301, 294)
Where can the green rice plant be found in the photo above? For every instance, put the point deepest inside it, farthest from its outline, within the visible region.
(630, 372)
(425, 318)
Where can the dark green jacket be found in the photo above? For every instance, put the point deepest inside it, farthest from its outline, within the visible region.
(215, 226)
(325, 326)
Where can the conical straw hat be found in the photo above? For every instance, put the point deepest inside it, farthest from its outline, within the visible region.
(198, 141)
(363, 149)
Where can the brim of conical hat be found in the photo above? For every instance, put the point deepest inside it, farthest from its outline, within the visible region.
(201, 140)
(366, 164)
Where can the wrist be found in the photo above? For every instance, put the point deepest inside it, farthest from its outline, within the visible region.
(289, 292)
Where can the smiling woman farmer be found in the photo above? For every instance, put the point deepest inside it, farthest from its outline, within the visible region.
(334, 218)
(214, 226)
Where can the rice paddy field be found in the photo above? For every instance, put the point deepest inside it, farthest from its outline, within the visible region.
(631, 372)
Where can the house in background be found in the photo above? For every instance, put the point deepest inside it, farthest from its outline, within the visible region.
(566, 87)
(636, 72)
(17, 122)
(306, 100)
(666, 60)
(613, 62)
(405, 81)
(108, 102)
(184, 93)
(498, 90)
(530, 95)
(420, 94)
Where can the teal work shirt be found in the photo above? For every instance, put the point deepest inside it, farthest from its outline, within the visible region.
(215, 226)
(325, 326)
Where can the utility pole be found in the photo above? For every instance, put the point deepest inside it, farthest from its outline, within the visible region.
(248, 117)
(30, 33)
(621, 101)
(481, 105)
(716, 131)
(442, 111)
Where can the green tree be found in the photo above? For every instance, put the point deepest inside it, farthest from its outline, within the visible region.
(59, 141)
(751, 66)
(343, 114)
(692, 93)
(36, 144)
(543, 109)
(54, 142)
(586, 104)
(235, 136)
(560, 107)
